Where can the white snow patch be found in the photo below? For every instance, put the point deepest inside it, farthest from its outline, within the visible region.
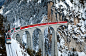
(0, 54)
(63, 4)
(69, 27)
(81, 54)
(68, 2)
(1, 11)
(39, 1)
(14, 49)
(7, 12)
(62, 42)
(24, 38)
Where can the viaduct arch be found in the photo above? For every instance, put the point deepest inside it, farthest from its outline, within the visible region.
(29, 31)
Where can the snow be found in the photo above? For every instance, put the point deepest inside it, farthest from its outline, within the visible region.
(65, 12)
(0, 54)
(1, 11)
(16, 23)
(63, 4)
(66, 53)
(14, 49)
(7, 12)
(76, 10)
(68, 2)
(79, 24)
(75, 29)
(45, 33)
(72, 19)
(69, 27)
(81, 10)
(81, 54)
(0, 35)
(39, 1)
(57, 5)
(44, 19)
(59, 53)
(27, 1)
(85, 22)
(62, 42)
(82, 29)
(24, 38)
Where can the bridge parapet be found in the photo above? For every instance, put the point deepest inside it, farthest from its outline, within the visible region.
(31, 28)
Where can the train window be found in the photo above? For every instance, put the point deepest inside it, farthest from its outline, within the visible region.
(12, 30)
(8, 39)
(17, 28)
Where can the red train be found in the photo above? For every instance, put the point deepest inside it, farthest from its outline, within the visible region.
(34, 25)
(28, 26)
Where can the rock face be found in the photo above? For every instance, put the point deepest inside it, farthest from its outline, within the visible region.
(2, 37)
(49, 11)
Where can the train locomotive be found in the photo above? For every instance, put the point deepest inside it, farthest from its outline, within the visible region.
(8, 38)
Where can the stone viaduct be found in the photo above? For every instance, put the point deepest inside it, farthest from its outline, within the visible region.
(42, 26)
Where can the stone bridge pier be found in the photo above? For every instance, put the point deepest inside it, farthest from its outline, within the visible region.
(29, 32)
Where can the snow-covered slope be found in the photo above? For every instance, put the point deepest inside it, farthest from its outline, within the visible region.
(15, 49)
